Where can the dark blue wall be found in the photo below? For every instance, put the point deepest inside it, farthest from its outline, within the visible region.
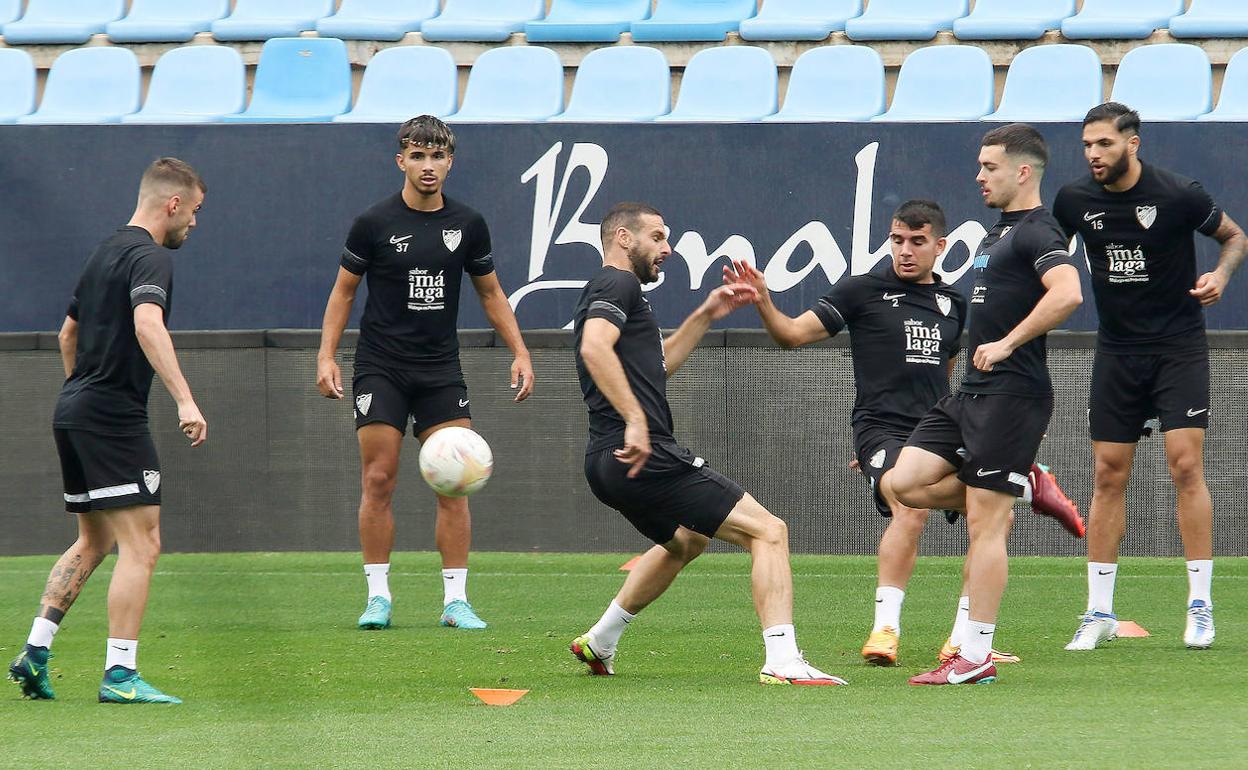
(281, 198)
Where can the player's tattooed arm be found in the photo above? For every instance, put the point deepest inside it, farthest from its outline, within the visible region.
(67, 339)
(1209, 287)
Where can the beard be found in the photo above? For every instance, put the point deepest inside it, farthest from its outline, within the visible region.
(645, 270)
(175, 238)
(1114, 173)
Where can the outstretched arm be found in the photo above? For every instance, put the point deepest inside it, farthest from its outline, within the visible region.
(788, 332)
(503, 319)
(720, 302)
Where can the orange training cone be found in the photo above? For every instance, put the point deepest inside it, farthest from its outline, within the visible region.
(496, 697)
(628, 565)
(1129, 628)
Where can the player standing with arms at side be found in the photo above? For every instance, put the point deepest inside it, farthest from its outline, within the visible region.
(634, 465)
(414, 247)
(980, 444)
(1152, 357)
(113, 337)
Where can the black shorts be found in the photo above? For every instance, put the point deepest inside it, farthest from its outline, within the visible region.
(877, 450)
(1127, 391)
(674, 489)
(393, 396)
(992, 439)
(101, 471)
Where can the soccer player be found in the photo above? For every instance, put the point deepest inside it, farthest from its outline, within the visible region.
(906, 326)
(978, 446)
(1152, 357)
(414, 247)
(113, 337)
(634, 465)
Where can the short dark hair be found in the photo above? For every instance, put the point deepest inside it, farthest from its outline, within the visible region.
(918, 212)
(1123, 117)
(426, 131)
(170, 176)
(627, 215)
(1019, 140)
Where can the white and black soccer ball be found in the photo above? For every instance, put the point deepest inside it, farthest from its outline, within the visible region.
(456, 461)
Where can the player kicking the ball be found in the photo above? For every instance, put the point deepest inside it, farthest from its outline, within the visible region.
(634, 465)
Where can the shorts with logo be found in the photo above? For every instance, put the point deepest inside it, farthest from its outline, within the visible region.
(991, 438)
(101, 471)
(674, 489)
(1129, 390)
(393, 395)
(877, 450)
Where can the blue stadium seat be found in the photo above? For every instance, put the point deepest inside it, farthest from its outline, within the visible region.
(62, 21)
(800, 19)
(194, 84)
(89, 85)
(727, 84)
(299, 80)
(405, 81)
(1233, 101)
(17, 84)
(586, 21)
(1171, 81)
(377, 19)
(619, 84)
(10, 10)
(513, 84)
(834, 83)
(487, 20)
(166, 21)
(1120, 19)
(1051, 82)
(1212, 18)
(264, 19)
(693, 20)
(943, 82)
(905, 19)
(1012, 20)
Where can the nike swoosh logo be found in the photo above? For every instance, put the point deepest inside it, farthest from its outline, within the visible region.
(463, 402)
(879, 601)
(1193, 569)
(981, 472)
(894, 296)
(985, 633)
(1104, 572)
(33, 671)
(397, 239)
(134, 691)
(1194, 412)
(956, 678)
(123, 649)
(1089, 216)
(773, 636)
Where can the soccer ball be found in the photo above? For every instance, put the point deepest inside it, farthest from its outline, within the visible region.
(456, 462)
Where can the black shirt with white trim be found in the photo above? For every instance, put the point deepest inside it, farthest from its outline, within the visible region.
(413, 262)
(1142, 256)
(108, 389)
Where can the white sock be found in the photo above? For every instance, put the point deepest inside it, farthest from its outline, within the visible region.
(121, 652)
(610, 627)
(454, 585)
(1026, 495)
(781, 644)
(978, 644)
(41, 633)
(378, 576)
(1101, 586)
(888, 608)
(960, 619)
(1199, 579)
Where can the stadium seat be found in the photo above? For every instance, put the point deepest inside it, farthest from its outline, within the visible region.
(943, 82)
(513, 84)
(62, 21)
(1120, 19)
(377, 19)
(299, 80)
(1212, 18)
(1051, 82)
(264, 19)
(905, 19)
(89, 85)
(166, 21)
(1012, 20)
(726, 84)
(403, 82)
(194, 84)
(682, 20)
(17, 84)
(1171, 81)
(485, 20)
(800, 19)
(1233, 101)
(586, 21)
(834, 83)
(620, 83)
(10, 10)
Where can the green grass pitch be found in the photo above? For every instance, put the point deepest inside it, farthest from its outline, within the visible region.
(264, 650)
